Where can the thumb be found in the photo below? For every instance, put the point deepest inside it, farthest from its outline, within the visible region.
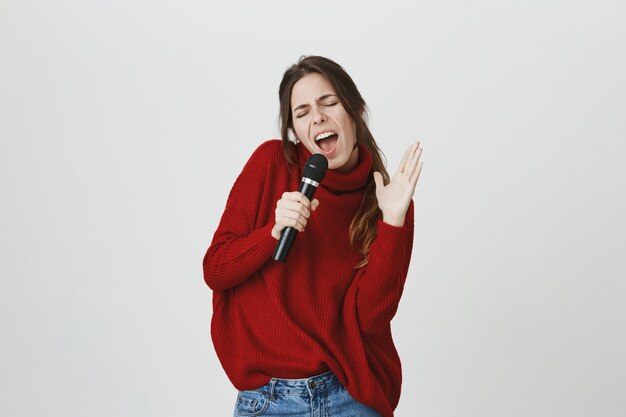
(314, 204)
(378, 179)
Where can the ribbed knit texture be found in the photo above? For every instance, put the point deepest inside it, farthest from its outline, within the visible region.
(315, 312)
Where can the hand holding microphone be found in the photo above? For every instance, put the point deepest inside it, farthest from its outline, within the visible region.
(294, 209)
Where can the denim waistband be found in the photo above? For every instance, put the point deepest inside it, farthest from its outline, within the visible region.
(310, 386)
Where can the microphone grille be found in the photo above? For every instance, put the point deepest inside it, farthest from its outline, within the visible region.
(315, 167)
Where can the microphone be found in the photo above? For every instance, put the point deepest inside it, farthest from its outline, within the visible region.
(314, 171)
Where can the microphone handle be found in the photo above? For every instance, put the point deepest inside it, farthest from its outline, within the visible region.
(308, 190)
(288, 235)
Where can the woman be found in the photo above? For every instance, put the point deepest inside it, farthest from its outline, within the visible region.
(312, 336)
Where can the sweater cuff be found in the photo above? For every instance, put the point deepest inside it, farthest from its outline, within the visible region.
(390, 238)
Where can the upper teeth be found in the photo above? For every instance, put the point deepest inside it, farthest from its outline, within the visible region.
(324, 135)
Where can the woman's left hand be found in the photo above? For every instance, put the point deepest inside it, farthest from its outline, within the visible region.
(395, 197)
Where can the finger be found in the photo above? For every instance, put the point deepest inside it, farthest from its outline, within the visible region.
(281, 223)
(292, 219)
(416, 175)
(295, 206)
(412, 165)
(378, 179)
(406, 156)
(301, 198)
(291, 210)
(296, 196)
(314, 204)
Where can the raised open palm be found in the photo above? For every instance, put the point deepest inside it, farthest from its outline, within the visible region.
(395, 197)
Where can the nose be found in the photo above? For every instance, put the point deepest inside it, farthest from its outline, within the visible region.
(318, 116)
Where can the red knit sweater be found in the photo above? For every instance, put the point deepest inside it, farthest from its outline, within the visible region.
(315, 312)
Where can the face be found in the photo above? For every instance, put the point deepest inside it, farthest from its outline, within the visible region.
(321, 122)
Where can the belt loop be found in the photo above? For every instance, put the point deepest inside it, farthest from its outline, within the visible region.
(272, 385)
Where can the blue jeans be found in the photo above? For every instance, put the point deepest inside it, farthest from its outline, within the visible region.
(317, 396)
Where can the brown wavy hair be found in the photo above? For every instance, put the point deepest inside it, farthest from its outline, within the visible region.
(363, 228)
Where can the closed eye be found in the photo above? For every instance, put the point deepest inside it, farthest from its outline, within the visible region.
(324, 104)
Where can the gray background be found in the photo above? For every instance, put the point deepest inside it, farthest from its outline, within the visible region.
(123, 125)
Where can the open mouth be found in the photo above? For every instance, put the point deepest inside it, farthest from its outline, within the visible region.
(327, 143)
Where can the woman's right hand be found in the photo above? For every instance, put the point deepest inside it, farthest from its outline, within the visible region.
(293, 210)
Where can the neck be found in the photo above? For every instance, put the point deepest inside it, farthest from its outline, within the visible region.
(352, 161)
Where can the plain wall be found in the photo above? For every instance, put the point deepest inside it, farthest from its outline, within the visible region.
(123, 125)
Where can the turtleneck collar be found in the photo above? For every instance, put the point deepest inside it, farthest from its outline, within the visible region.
(342, 181)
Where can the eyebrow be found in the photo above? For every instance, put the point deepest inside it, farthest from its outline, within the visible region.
(325, 96)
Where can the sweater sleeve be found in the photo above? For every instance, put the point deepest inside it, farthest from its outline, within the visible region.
(381, 281)
(239, 248)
